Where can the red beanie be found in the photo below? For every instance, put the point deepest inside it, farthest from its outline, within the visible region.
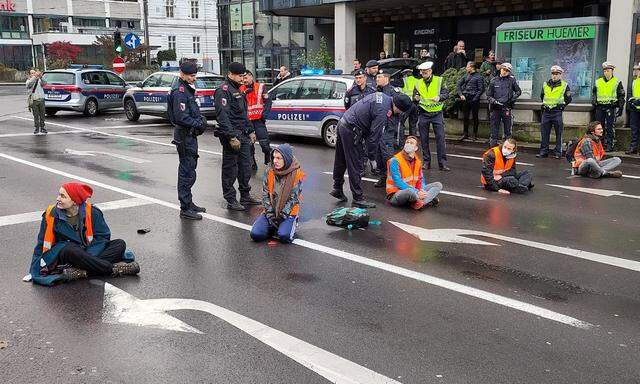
(79, 193)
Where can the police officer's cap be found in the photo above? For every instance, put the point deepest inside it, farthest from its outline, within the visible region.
(507, 66)
(237, 68)
(608, 65)
(425, 65)
(402, 102)
(359, 72)
(372, 63)
(188, 67)
(557, 69)
(384, 72)
(636, 66)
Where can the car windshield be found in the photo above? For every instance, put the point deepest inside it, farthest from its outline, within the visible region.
(208, 82)
(59, 78)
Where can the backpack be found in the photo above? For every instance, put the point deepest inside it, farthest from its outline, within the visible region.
(571, 150)
(352, 218)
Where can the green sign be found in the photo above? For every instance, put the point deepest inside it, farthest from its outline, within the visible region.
(574, 32)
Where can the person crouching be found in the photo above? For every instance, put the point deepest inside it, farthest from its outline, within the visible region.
(499, 170)
(281, 197)
(75, 242)
(405, 182)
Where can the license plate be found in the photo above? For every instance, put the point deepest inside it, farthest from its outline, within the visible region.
(54, 96)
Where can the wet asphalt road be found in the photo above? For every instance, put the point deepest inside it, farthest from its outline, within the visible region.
(413, 311)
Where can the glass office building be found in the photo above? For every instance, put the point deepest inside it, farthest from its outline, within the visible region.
(263, 43)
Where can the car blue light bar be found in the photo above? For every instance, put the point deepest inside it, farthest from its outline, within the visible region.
(86, 66)
(312, 72)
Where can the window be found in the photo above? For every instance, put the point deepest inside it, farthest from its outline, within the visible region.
(13, 27)
(286, 91)
(50, 24)
(125, 24)
(314, 89)
(114, 79)
(171, 42)
(209, 82)
(169, 8)
(166, 80)
(339, 89)
(151, 81)
(95, 78)
(59, 78)
(88, 22)
(195, 9)
(196, 44)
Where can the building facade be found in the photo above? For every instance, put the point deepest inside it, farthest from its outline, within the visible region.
(189, 27)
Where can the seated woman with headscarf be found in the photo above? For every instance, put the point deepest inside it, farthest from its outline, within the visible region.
(281, 197)
(75, 242)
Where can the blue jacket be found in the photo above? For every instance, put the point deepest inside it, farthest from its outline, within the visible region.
(65, 234)
(355, 94)
(368, 118)
(394, 169)
(183, 110)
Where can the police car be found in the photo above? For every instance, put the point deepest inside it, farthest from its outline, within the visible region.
(309, 105)
(149, 97)
(82, 88)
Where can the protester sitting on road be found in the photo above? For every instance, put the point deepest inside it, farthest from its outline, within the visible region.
(589, 154)
(405, 182)
(75, 241)
(499, 170)
(281, 197)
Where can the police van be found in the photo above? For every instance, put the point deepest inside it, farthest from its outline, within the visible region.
(149, 97)
(309, 105)
(82, 88)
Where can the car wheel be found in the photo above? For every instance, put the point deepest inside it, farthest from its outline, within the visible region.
(131, 111)
(91, 108)
(50, 111)
(330, 133)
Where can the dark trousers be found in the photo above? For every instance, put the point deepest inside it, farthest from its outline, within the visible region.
(551, 119)
(386, 149)
(607, 116)
(38, 110)
(236, 165)
(102, 264)
(348, 158)
(412, 117)
(502, 115)
(188, 156)
(470, 107)
(437, 121)
(260, 128)
(262, 229)
(518, 183)
(635, 128)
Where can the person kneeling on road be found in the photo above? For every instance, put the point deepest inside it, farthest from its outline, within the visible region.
(75, 241)
(499, 170)
(281, 197)
(588, 156)
(405, 181)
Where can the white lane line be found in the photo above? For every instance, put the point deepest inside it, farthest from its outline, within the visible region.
(137, 126)
(480, 158)
(116, 135)
(31, 134)
(449, 285)
(442, 192)
(117, 156)
(36, 216)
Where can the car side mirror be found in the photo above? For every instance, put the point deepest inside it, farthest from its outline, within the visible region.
(140, 85)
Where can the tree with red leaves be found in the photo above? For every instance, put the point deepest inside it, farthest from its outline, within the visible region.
(62, 53)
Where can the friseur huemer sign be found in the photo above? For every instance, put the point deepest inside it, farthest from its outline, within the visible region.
(574, 32)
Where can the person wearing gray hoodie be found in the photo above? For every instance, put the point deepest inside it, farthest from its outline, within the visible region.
(36, 100)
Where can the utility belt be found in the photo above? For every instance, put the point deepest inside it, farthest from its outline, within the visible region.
(607, 106)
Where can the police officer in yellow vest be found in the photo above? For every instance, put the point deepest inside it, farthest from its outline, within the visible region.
(555, 96)
(429, 92)
(408, 85)
(634, 107)
(608, 100)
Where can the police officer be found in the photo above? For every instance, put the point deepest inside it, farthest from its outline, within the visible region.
(555, 96)
(634, 106)
(608, 100)
(258, 108)
(185, 116)
(359, 89)
(236, 135)
(502, 93)
(372, 72)
(409, 82)
(364, 121)
(393, 135)
(429, 93)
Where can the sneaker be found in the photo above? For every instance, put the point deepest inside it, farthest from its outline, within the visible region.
(616, 174)
(474, 138)
(557, 156)
(248, 200)
(196, 208)
(190, 215)
(463, 138)
(444, 168)
(542, 155)
(70, 274)
(123, 269)
(381, 183)
(434, 202)
(363, 204)
(235, 206)
(43, 131)
(338, 194)
(36, 131)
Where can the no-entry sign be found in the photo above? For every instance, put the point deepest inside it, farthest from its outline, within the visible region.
(118, 65)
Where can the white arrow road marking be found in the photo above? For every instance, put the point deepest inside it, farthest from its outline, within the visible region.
(459, 236)
(117, 156)
(122, 307)
(472, 197)
(480, 158)
(624, 175)
(432, 280)
(594, 191)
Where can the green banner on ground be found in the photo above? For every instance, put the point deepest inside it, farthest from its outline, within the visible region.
(574, 32)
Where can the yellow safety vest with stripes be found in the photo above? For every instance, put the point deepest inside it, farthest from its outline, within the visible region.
(635, 91)
(428, 94)
(554, 96)
(606, 91)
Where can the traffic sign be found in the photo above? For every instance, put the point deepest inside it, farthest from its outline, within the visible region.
(132, 41)
(118, 65)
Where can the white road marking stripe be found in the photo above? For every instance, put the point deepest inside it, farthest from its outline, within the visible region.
(442, 192)
(36, 216)
(480, 158)
(138, 126)
(121, 136)
(117, 156)
(595, 191)
(31, 134)
(477, 293)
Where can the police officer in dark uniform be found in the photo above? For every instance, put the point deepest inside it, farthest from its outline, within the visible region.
(359, 89)
(185, 116)
(236, 135)
(502, 93)
(372, 72)
(365, 121)
(393, 136)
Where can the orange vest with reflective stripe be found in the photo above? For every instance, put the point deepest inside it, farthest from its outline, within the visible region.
(49, 235)
(597, 148)
(410, 176)
(271, 181)
(255, 104)
(499, 166)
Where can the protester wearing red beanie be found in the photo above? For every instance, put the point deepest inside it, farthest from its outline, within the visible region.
(78, 192)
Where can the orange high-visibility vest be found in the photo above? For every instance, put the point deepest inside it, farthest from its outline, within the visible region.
(271, 181)
(598, 152)
(255, 104)
(499, 166)
(49, 235)
(410, 176)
